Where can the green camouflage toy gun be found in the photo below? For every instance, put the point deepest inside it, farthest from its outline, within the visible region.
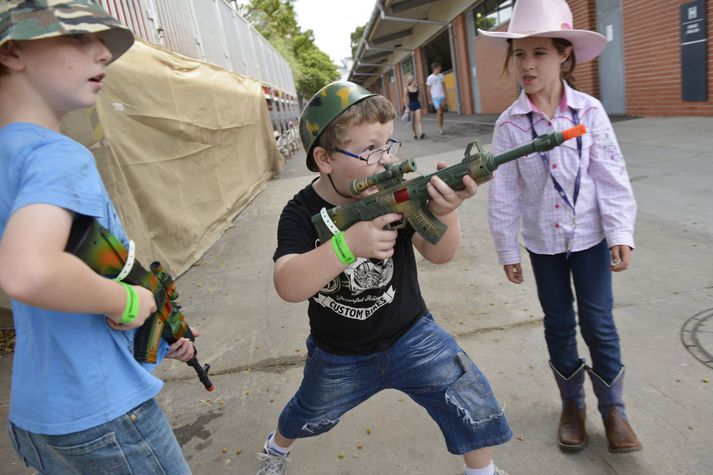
(410, 198)
(107, 256)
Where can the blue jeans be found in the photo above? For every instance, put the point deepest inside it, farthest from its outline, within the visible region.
(591, 275)
(139, 442)
(426, 363)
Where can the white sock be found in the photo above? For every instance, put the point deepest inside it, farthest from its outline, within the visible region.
(489, 470)
(272, 447)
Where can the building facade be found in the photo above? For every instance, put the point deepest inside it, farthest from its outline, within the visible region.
(658, 60)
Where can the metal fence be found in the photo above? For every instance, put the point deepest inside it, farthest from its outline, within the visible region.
(212, 31)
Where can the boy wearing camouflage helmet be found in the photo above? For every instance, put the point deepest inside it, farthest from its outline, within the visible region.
(80, 402)
(369, 326)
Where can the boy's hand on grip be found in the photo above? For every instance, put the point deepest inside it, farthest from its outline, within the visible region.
(370, 239)
(147, 306)
(444, 199)
(183, 349)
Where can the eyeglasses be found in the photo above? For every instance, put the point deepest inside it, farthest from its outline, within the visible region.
(375, 157)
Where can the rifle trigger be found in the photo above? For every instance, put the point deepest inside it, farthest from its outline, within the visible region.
(401, 223)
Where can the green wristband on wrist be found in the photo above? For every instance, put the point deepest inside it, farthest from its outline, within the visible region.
(344, 254)
(131, 310)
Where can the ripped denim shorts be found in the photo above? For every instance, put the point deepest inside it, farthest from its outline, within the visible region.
(426, 363)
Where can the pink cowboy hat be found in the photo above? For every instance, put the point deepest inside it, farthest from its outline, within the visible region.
(551, 19)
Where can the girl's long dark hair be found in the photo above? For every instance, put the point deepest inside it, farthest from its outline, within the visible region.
(566, 69)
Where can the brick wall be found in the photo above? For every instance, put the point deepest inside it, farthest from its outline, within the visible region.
(376, 87)
(586, 75)
(461, 37)
(390, 92)
(652, 59)
(497, 91)
(421, 77)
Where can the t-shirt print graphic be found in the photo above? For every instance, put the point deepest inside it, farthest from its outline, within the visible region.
(360, 290)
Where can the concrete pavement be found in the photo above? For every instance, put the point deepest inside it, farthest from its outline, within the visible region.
(255, 342)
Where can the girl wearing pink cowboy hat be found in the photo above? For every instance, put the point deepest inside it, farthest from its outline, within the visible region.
(577, 210)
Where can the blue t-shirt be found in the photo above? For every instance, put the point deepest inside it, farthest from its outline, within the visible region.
(70, 372)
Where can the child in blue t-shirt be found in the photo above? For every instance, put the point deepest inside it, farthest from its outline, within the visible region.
(79, 401)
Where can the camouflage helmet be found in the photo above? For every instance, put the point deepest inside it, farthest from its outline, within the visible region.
(323, 108)
(36, 19)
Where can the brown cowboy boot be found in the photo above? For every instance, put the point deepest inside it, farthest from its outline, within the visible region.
(620, 435)
(571, 433)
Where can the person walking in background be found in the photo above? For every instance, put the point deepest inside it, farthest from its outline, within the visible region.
(438, 92)
(413, 105)
(577, 209)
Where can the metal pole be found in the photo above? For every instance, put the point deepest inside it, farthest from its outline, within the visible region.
(454, 63)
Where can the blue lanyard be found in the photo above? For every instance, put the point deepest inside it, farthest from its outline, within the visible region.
(546, 160)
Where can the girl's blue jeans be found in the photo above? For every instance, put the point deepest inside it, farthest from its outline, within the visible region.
(139, 442)
(589, 271)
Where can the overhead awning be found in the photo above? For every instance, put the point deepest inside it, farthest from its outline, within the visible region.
(395, 29)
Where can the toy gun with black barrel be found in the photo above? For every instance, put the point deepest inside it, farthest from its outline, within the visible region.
(107, 256)
(410, 198)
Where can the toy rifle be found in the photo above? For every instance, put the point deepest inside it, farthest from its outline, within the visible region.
(410, 198)
(107, 256)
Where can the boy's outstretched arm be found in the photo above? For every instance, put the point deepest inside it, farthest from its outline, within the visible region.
(297, 277)
(443, 204)
(34, 269)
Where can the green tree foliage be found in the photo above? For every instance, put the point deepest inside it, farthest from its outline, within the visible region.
(272, 18)
(276, 21)
(356, 38)
(485, 23)
(316, 71)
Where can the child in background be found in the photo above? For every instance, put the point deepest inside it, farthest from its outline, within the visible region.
(577, 209)
(80, 402)
(413, 105)
(370, 329)
(438, 92)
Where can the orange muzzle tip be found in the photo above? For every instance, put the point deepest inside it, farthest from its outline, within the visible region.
(574, 132)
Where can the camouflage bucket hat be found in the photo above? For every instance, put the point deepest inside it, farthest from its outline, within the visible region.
(22, 20)
(323, 108)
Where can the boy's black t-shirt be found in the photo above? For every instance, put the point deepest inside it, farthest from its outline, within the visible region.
(368, 306)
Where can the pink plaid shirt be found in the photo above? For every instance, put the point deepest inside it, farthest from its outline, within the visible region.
(523, 189)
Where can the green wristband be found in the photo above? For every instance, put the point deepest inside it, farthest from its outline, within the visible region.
(131, 310)
(342, 250)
